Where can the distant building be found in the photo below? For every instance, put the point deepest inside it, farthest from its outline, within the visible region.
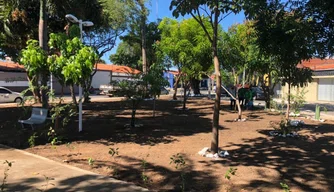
(322, 86)
(14, 77)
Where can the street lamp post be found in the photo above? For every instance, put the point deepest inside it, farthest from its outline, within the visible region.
(81, 23)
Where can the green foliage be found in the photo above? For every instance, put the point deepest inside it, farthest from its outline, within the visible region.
(113, 152)
(53, 137)
(297, 101)
(72, 62)
(285, 187)
(318, 110)
(154, 78)
(183, 7)
(185, 44)
(5, 173)
(34, 59)
(229, 172)
(32, 140)
(63, 112)
(91, 161)
(129, 52)
(145, 178)
(21, 20)
(178, 161)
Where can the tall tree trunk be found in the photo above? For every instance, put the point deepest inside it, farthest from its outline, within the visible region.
(133, 114)
(178, 77)
(184, 95)
(288, 105)
(195, 86)
(216, 109)
(42, 35)
(74, 99)
(45, 90)
(154, 99)
(143, 44)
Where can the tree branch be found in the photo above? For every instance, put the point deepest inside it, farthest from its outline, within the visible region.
(200, 21)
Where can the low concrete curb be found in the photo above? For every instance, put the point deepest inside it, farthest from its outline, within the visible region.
(31, 172)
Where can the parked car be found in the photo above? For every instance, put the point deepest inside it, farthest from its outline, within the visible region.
(259, 93)
(8, 96)
(164, 91)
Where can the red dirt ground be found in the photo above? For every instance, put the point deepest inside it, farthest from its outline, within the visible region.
(262, 161)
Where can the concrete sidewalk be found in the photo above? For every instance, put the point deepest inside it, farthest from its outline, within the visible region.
(29, 172)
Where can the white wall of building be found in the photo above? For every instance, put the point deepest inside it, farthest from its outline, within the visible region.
(101, 78)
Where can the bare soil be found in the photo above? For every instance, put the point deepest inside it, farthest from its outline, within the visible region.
(263, 162)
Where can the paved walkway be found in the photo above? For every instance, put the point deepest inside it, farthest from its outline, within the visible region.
(29, 172)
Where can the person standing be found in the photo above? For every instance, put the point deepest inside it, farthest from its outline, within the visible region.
(241, 95)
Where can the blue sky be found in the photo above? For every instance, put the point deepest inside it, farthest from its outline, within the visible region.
(160, 9)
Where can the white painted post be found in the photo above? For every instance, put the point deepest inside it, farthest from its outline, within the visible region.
(80, 88)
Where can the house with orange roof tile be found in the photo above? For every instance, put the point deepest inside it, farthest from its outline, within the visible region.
(321, 89)
(14, 77)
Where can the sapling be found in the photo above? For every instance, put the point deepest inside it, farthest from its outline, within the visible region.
(32, 140)
(179, 163)
(145, 178)
(114, 153)
(231, 171)
(91, 161)
(47, 182)
(5, 173)
(285, 187)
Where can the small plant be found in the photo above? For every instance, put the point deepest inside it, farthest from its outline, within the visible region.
(297, 101)
(58, 112)
(47, 183)
(53, 138)
(32, 140)
(145, 178)
(69, 146)
(5, 173)
(179, 162)
(113, 152)
(91, 161)
(231, 171)
(318, 110)
(283, 127)
(285, 187)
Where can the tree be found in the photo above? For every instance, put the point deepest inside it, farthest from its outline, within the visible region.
(215, 10)
(127, 54)
(20, 20)
(42, 35)
(72, 62)
(286, 34)
(154, 78)
(102, 37)
(184, 44)
(320, 14)
(129, 51)
(34, 59)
